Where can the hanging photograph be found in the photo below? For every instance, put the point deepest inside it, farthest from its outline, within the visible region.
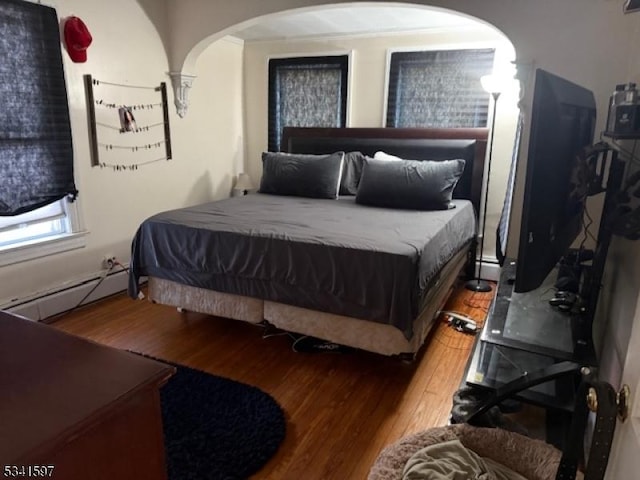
(127, 120)
(140, 112)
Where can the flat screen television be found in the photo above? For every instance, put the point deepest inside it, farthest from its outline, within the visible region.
(563, 119)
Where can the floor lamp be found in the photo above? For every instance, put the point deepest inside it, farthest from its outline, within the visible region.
(492, 84)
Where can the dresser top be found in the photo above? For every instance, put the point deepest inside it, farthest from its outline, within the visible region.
(53, 384)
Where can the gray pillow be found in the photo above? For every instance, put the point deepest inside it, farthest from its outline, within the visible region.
(351, 172)
(410, 184)
(315, 176)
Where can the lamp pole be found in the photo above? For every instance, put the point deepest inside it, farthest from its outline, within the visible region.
(479, 285)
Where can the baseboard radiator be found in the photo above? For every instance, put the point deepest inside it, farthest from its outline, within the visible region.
(43, 306)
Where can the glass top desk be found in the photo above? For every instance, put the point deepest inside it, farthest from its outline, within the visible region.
(525, 339)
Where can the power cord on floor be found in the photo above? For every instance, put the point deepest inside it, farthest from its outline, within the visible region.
(482, 303)
(101, 279)
(447, 345)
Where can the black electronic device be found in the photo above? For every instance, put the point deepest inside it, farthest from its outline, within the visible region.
(570, 269)
(625, 120)
(563, 118)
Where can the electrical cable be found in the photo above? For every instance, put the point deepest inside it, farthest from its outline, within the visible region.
(441, 335)
(586, 233)
(101, 279)
(144, 128)
(447, 312)
(462, 349)
(478, 306)
(102, 82)
(133, 148)
(122, 267)
(483, 303)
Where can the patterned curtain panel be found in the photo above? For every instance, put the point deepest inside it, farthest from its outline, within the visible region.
(306, 92)
(438, 88)
(36, 154)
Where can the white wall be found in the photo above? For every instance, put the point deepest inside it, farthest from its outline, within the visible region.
(367, 90)
(207, 143)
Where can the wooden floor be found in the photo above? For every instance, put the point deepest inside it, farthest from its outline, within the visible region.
(341, 409)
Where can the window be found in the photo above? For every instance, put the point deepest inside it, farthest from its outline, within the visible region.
(41, 232)
(306, 92)
(36, 152)
(36, 224)
(439, 88)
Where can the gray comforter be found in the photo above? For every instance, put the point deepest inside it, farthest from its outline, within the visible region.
(329, 255)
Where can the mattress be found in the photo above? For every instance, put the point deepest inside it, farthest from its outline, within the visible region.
(334, 256)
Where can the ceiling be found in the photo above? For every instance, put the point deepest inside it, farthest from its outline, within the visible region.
(354, 20)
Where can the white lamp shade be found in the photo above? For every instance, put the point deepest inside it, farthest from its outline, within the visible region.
(494, 83)
(244, 182)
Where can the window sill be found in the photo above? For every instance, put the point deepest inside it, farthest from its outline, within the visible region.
(41, 248)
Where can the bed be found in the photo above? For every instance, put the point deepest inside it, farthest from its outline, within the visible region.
(353, 274)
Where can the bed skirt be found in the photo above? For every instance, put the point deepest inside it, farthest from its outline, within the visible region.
(353, 332)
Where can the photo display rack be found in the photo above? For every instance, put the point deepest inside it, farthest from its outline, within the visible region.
(128, 124)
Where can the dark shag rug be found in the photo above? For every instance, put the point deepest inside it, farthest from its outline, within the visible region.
(216, 428)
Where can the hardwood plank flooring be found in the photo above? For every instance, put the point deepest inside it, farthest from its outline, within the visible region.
(342, 409)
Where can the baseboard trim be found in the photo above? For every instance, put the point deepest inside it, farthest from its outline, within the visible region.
(67, 298)
(490, 270)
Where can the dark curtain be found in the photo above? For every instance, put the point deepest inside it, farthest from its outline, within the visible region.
(36, 154)
(306, 92)
(438, 88)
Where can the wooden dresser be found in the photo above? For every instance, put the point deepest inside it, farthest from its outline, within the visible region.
(85, 410)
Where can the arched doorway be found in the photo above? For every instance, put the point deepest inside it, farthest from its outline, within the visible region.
(347, 28)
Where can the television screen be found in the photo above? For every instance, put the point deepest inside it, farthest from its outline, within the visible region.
(562, 123)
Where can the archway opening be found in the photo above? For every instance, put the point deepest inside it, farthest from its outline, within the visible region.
(346, 28)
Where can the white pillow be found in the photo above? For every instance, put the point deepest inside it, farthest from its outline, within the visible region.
(386, 156)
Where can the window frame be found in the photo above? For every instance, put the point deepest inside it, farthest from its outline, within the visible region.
(73, 239)
(339, 58)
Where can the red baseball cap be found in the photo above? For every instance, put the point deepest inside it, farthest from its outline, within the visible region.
(77, 39)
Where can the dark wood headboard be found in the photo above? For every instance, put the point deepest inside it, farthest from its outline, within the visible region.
(410, 143)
